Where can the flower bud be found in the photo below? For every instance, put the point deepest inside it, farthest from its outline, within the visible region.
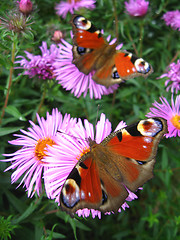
(25, 6)
(58, 35)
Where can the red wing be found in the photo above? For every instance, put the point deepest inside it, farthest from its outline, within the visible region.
(134, 149)
(86, 35)
(130, 66)
(88, 40)
(138, 141)
(82, 188)
(87, 186)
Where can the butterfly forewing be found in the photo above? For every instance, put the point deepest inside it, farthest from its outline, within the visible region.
(85, 33)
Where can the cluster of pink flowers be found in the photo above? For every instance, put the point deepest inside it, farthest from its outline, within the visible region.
(73, 5)
(172, 18)
(137, 8)
(171, 114)
(173, 76)
(42, 65)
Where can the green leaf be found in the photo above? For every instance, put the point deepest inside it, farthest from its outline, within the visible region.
(16, 202)
(12, 110)
(8, 130)
(28, 211)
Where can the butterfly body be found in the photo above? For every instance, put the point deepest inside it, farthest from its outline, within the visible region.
(91, 52)
(123, 160)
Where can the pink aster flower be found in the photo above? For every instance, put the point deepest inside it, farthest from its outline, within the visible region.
(73, 5)
(25, 6)
(172, 18)
(63, 157)
(137, 8)
(173, 76)
(68, 75)
(171, 114)
(39, 65)
(28, 161)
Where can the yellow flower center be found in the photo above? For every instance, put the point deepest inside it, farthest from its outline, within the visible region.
(84, 151)
(176, 121)
(40, 149)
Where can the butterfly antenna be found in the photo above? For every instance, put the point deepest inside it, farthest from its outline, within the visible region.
(97, 117)
(70, 135)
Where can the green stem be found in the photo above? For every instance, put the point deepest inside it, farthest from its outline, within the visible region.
(40, 104)
(117, 37)
(14, 43)
(116, 19)
(131, 40)
(141, 38)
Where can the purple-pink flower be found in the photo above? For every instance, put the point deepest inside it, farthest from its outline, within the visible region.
(63, 157)
(173, 76)
(136, 8)
(68, 75)
(63, 7)
(170, 113)
(172, 18)
(25, 6)
(39, 65)
(29, 159)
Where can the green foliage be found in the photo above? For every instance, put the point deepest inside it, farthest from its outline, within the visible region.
(6, 228)
(156, 214)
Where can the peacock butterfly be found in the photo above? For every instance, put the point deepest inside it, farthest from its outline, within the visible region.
(92, 52)
(123, 160)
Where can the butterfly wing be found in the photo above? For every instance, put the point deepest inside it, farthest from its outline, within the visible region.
(124, 160)
(87, 186)
(136, 146)
(88, 43)
(121, 66)
(129, 66)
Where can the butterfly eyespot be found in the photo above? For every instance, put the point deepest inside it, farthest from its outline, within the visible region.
(82, 23)
(115, 75)
(81, 50)
(70, 193)
(140, 162)
(149, 128)
(142, 66)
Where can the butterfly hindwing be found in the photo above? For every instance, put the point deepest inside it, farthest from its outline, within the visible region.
(89, 186)
(123, 160)
(82, 188)
(92, 52)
